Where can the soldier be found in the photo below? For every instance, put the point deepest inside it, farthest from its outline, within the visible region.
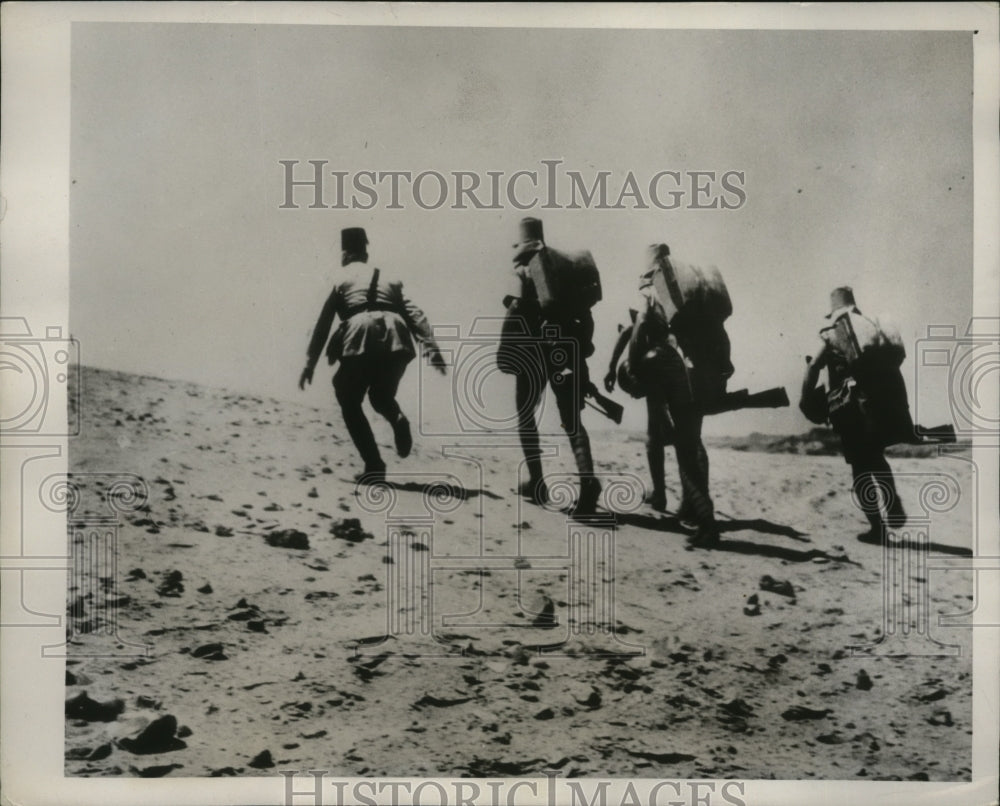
(374, 345)
(866, 404)
(552, 311)
(660, 365)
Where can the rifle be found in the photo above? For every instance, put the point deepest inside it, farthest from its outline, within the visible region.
(605, 405)
(775, 398)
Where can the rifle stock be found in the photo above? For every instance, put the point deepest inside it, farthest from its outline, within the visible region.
(605, 405)
(775, 398)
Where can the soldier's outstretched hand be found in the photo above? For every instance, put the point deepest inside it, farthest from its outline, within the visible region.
(609, 381)
(305, 377)
(438, 363)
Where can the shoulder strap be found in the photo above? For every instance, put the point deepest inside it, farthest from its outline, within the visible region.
(373, 289)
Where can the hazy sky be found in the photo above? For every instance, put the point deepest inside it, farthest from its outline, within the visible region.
(856, 148)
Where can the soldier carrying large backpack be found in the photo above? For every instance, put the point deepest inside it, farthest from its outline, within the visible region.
(678, 359)
(866, 404)
(548, 335)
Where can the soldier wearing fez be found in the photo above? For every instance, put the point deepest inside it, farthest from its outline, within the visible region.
(549, 302)
(866, 403)
(374, 344)
(669, 366)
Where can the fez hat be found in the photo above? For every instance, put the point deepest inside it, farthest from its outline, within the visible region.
(845, 295)
(353, 239)
(530, 229)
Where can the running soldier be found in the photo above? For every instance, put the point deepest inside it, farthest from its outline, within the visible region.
(679, 361)
(549, 306)
(866, 404)
(374, 344)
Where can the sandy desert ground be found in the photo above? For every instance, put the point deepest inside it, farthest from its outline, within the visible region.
(260, 584)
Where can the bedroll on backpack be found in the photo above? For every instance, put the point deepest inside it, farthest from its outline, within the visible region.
(682, 287)
(567, 285)
(873, 351)
(864, 342)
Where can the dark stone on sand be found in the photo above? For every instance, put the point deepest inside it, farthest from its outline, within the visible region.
(350, 529)
(70, 678)
(439, 702)
(223, 772)
(136, 573)
(206, 588)
(288, 539)
(864, 682)
(545, 609)
(798, 713)
(78, 608)
(100, 752)
(545, 713)
(159, 736)
(660, 758)
(172, 584)
(183, 732)
(941, 717)
(262, 761)
(223, 531)
(210, 652)
(256, 626)
(82, 707)
(779, 586)
(158, 771)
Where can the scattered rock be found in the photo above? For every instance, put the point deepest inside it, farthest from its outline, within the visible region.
(158, 771)
(752, 606)
(864, 682)
(160, 736)
(288, 539)
(262, 761)
(82, 707)
(778, 586)
(941, 717)
(592, 702)
(206, 588)
(660, 758)
(172, 584)
(350, 529)
(546, 713)
(223, 531)
(797, 713)
(136, 573)
(545, 609)
(210, 652)
(100, 752)
(439, 702)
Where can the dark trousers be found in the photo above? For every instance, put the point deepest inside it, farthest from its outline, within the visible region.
(379, 378)
(669, 399)
(531, 380)
(875, 489)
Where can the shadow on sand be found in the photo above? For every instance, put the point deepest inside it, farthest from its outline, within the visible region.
(436, 488)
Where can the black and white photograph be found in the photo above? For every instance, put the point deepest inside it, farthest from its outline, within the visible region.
(451, 404)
